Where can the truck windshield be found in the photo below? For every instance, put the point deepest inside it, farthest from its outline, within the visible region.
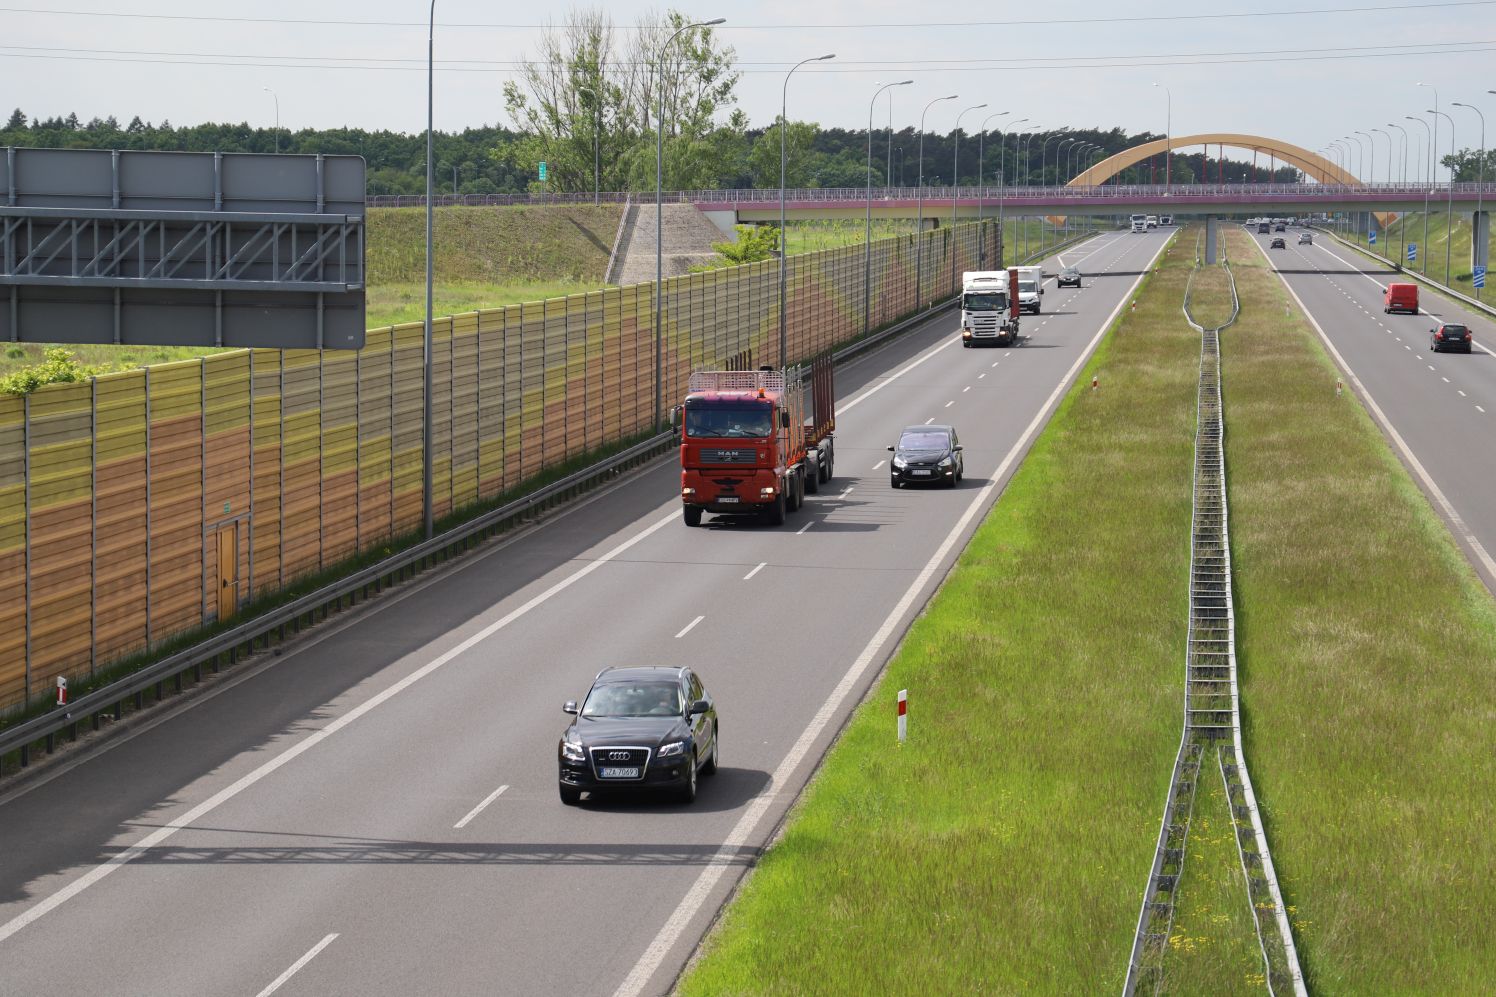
(716, 420)
(991, 301)
(1026, 287)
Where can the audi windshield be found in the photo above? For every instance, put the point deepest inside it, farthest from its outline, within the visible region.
(634, 699)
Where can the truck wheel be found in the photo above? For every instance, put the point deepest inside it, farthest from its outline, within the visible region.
(775, 512)
(813, 479)
(793, 492)
(692, 514)
(829, 468)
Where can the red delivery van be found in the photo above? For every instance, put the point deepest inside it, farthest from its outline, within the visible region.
(1400, 298)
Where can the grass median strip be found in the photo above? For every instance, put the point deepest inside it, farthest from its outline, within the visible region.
(1004, 846)
(1367, 654)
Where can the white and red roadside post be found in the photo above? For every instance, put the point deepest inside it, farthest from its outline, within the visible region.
(903, 715)
(62, 691)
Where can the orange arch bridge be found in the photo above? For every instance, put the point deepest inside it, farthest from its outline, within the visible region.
(1311, 163)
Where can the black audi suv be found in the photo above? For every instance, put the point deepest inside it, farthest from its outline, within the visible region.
(639, 729)
(926, 454)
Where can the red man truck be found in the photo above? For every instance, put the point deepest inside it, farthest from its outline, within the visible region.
(755, 441)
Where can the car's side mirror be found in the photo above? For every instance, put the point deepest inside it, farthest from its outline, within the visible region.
(890, 449)
(675, 419)
(700, 706)
(570, 706)
(784, 418)
(958, 448)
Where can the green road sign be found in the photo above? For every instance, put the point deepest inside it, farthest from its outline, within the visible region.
(542, 170)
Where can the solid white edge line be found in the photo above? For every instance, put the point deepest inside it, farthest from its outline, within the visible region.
(212, 803)
(689, 627)
(297, 966)
(1451, 516)
(755, 570)
(484, 805)
(689, 905)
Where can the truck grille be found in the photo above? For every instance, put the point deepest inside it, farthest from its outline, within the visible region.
(722, 455)
(984, 323)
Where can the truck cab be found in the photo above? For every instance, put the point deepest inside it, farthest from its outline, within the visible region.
(1140, 223)
(755, 441)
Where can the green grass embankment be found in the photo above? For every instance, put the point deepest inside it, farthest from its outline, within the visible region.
(1005, 846)
(1441, 236)
(1367, 652)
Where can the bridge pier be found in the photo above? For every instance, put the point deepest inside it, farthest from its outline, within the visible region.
(1210, 239)
(1480, 238)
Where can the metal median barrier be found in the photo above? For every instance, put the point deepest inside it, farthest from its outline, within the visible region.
(1212, 718)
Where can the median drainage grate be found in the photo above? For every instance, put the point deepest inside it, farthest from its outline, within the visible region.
(1212, 720)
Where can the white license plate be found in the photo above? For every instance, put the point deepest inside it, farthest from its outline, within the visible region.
(919, 474)
(727, 500)
(617, 773)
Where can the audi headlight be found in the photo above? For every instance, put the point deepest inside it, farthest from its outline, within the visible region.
(900, 463)
(572, 751)
(672, 749)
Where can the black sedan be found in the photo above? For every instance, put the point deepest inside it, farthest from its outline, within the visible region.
(639, 729)
(1277, 244)
(1069, 277)
(1450, 336)
(927, 454)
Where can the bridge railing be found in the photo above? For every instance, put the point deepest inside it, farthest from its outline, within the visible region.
(859, 195)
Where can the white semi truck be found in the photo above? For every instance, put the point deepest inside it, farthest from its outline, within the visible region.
(988, 314)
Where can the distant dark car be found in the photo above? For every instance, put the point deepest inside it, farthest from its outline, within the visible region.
(1262, 228)
(1277, 244)
(1278, 227)
(927, 454)
(1070, 276)
(1451, 337)
(639, 729)
(1306, 238)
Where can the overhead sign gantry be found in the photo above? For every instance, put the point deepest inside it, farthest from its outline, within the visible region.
(189, 249)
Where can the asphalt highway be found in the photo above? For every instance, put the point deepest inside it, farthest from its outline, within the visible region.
(1438, 409)
(375, 811)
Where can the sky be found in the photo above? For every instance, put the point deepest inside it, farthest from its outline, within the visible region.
(1306, 78)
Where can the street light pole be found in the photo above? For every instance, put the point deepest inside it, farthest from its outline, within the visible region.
(1435, 139)
(1402, 151)
(1480, 188)
(867, 238)
(919, 224)
(1168, 134)
(426, 511)
(659, 309)
(783, 233)
(1043, 150)
(277, 99)
(1371, 170)
(1027, 178)
(956, 188)
(1449, 201)
(1428, 182)
(981, 174)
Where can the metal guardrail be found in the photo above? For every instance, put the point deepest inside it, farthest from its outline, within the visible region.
(1118, 192)
(273, 626)
(1211, 710)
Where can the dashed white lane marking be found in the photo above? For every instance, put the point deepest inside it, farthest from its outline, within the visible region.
(692, 625)
(950, 403)
(496, 793)
(755, 571)
(981, 375)
(1430, 366)
(1462, 394)
(1446, 380)
(995, 363)
(929, 420)
(879, 464)
(847, 491)
(804, 528)
(966, 389)
(296, 966)
(1480, 410)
